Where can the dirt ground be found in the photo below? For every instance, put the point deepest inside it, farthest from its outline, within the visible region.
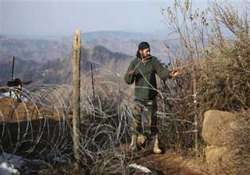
(169, 163)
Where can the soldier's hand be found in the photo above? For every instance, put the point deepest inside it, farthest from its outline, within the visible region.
(175, 73)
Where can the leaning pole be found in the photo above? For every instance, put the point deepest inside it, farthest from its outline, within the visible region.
(76, 55)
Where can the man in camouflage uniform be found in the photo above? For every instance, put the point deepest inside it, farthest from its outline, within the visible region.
(141, 71)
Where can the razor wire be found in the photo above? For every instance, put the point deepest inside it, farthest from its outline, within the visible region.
(43, 129)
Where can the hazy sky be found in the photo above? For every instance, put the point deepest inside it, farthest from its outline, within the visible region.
(52, 17)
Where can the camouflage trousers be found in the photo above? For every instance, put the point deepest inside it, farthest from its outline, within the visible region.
(144, 120)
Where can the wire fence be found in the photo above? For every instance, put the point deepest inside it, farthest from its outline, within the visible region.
(40, 125)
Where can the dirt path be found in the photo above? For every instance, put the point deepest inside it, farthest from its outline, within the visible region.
(170, 164)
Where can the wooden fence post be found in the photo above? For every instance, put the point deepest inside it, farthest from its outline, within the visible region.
(12, 73)
(76, 94)
(92, 80)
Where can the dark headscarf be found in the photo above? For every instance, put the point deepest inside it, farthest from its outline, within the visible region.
(141, 46)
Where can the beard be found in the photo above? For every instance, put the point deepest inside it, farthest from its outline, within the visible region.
(146, 56)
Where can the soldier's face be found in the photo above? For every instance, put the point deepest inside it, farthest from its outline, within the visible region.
(145, 53)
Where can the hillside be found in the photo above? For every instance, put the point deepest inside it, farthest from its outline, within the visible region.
(57, 70)
(42, 49)
(46, 59)
(39, 50)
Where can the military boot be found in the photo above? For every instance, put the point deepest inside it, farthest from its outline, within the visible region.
(133, 144)
(156, 148)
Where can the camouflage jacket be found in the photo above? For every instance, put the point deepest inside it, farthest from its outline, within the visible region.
(144, 77)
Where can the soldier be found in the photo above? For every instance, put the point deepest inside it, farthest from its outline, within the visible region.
(141, 71)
